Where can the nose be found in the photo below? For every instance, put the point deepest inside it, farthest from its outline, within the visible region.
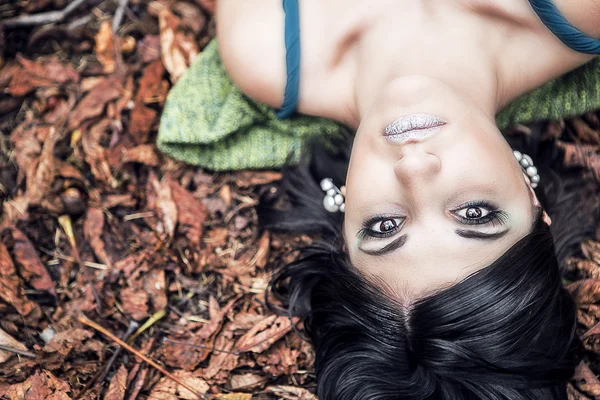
(416, 165)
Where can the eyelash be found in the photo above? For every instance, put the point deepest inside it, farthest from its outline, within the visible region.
(494, 216)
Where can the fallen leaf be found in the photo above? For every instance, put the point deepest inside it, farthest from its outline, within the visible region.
(191, 214)
(246, 179)
(156, 287)
(94, 102)
(167, 389)
(30, 265)
(117, 386)
(41, 386)
(264, 334)
(40, 175)
(9, 341)
(144, 154)
(11, 288)
(152, 87)
(67, 340)
(93, 227)
(134, 303)
(178, 49)
(586, 291)
(43, 72)
(586, 380)
(95, 154)
(164, 204)
(246, 381)
(142, 120)
(105, 47)
(234, 396)
(291, 393)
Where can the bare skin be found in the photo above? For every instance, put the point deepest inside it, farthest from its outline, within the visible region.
(366, 63)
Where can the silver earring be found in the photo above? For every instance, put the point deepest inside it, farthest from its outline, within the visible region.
(528, 168)
(334, 199)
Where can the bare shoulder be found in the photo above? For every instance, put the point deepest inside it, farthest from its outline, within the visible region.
(582, 14)
(252, 46)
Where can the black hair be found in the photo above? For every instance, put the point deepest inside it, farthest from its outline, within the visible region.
(505, 332)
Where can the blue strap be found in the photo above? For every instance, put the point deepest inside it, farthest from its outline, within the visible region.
(292, 58)
(567, 33)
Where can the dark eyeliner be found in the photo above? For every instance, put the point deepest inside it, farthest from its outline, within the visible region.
(367, 232)
(494, 216)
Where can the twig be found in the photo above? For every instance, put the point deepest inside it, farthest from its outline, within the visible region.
(235, 353)
(84, 320)
(101, 374)
(49, 17)
(119, 15)
(133, 325)
(17, 351)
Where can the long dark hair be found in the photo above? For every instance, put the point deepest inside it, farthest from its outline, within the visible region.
(505, 332)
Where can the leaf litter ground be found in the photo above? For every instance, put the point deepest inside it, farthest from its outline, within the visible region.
(124, 274)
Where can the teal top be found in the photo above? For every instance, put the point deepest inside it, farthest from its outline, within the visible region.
(545, 9)
(566, 32)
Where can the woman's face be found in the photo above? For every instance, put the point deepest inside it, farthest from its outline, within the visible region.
(428, 212)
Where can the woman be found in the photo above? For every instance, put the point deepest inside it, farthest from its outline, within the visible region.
(441, 279)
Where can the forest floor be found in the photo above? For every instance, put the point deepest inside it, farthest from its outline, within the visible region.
(105, 240)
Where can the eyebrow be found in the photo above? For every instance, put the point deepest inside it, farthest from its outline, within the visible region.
(468, 234)
(396, 244)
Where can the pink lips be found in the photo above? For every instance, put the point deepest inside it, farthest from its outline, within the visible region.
(413, 128)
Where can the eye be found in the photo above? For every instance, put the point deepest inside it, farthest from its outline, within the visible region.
(384, 226)
(478, 213)
(473, 212)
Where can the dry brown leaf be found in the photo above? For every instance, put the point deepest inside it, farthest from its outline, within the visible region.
(40, 175)
(245, 179)
(134, 303)
(581, 156)
(153, 88)
(105, 47)
(246, 381)
(166, 389)
(262, 254)
(221, 363)
(264, 334)
(41, 386)
(191, 214)
(291, 393)
(586, 380)
(93, 226)
(118, 385)
(142, 121)
(9, 341)
(591, 250)
(95, 154)
(67, 340)
(217, 315)
(144, 154)
(30, 265)
(234, 396)
(94, 102)
(40, 73)
(178, 49)
(156, 287)
(586, 291)
(11, 288)
(164, 204)
(191, 16)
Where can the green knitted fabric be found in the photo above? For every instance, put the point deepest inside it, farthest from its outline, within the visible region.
(208, 122)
